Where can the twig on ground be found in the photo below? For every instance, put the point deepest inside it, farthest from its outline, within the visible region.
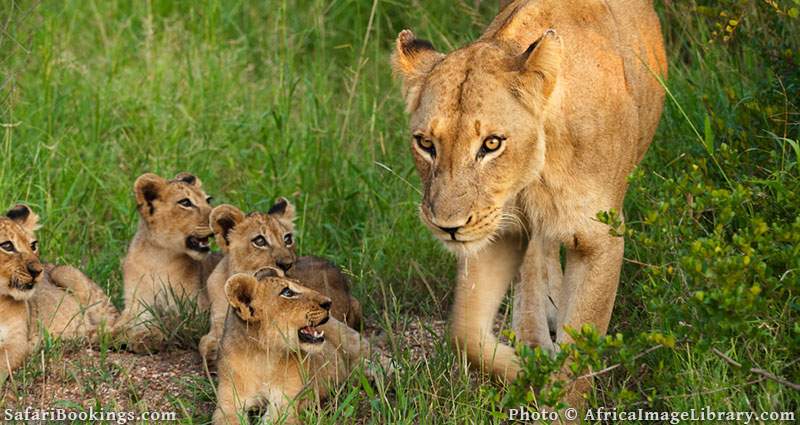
(612, 367)
(757, 370)
(637, 262)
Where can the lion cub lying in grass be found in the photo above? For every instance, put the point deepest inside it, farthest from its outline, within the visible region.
(279, 342)
(168, 260)
(59, 299)
(257, 240)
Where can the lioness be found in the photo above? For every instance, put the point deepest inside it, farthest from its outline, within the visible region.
(520, 139)
(169, 259)
(59, 299)
(256, 240)
(279, 342)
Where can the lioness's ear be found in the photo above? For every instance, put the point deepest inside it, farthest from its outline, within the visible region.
(147, 189)
(268, 272)
(23, 216)
(239, 291)
(412, 60)
(283, 210)
(189, 178)
(223, 219)
(540, 64)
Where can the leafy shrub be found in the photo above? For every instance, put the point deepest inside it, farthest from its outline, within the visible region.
(713, 225)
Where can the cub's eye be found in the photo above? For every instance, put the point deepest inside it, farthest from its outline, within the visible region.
(288, 239)
(210, 199)
(186, 203)
(259, 241)
(425, 144)
(34, 246)
(491, 144)
(8, 246)
(288, 293)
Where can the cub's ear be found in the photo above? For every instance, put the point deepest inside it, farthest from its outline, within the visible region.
(239, 290)
(147, 188)
(283, 210)
(268, 272)
(412, 60)
(223, 219)
(189, 178)
(24, 216)
(540, 65)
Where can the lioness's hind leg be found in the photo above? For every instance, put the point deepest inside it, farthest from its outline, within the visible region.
(534, 303)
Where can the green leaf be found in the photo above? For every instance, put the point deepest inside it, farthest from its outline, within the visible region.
(708, 139)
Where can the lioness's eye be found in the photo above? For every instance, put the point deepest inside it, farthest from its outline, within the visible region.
(491, 144)
(259, 241)
(425, 144)
(8, 246)
(34, 246)
(288, 293)
(288, 239)
(186, 203)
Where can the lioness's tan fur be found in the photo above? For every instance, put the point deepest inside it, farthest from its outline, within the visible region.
(571, 89)
(237, 234)
(263, 364)
(161, 270)
(37, 298)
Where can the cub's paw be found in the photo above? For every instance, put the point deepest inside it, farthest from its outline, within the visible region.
(209, 349)
(141, 340)
(383, 366)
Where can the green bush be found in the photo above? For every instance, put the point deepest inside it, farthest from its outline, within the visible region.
(712, 229)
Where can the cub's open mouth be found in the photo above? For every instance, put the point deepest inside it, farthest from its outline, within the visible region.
(16, 284)
(312, 335)
(199, 244)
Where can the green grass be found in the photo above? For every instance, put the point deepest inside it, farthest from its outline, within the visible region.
(296, 98)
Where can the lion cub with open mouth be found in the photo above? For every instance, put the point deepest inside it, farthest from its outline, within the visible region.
(168, 260)
(257, 240)
(59, 299)
(280, 348)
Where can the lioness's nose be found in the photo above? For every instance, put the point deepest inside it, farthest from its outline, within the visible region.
(451, 230)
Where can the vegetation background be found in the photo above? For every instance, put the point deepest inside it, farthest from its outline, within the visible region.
(296, 98)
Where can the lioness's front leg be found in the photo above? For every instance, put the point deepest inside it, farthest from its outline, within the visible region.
(483, 280)
(591, 280)
(537, 294)
(590, 286)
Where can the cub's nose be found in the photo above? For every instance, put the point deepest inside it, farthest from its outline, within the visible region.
(326, 304)
(285, 265)
(34, 269)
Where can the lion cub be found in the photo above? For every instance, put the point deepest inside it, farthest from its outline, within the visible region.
(59, 299)
(169, 259)
(257, 240)
(279, 342)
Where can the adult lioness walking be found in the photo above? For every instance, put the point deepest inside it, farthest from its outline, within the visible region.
(520, 139)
